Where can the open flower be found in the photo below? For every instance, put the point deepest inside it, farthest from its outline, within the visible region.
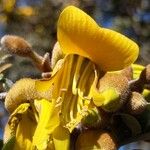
(49, 109)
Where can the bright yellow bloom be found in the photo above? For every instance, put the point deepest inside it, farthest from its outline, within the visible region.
(54, 107)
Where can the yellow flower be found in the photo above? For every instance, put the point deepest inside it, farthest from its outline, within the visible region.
(50, 109)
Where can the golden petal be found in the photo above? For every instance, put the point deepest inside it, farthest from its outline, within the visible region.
(48, 121)
(22, 126)
(25, 132)
(79, 34)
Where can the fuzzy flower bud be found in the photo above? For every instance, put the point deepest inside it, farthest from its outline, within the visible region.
(94, 139)
(136, 104)
(18, 46)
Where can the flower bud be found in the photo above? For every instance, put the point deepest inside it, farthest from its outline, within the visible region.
(18, 46)
(97, 118)
(136, 104)
(21, 92)
(145, 75)
(114, 88)
(96, 140)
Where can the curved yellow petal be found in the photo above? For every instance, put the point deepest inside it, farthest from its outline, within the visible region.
(22, 125)
(48, 121)
(25, 131)
(79, 34)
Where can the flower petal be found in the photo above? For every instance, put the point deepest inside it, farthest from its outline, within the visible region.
(22, 126)
(79, 34)
(48, 121)
(24, 133)
(61, 137)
